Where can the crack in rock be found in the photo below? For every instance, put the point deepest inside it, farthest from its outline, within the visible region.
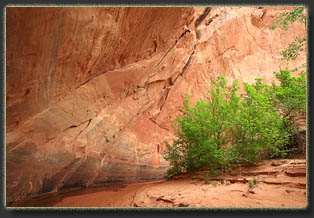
(75, 126)
(202, 16)
(88, 122)
(159, 125)
(199, 20)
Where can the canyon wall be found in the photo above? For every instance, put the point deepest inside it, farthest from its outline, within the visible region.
(91, 93)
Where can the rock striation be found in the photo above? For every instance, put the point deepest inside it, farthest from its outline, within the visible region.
(92, 91)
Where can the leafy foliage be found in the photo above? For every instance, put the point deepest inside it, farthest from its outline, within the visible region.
(214, 183)
(255, 181)
(260, 126)
(285, 18)
(290, 97)
(227, 129)
(251, 184)
(206, 178)
(292, 52)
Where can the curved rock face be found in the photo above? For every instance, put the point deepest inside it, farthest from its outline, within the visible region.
(92, 92)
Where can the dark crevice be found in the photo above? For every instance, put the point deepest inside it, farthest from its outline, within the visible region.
(211, 19)
(185, 31)
(202, 17)
(154, 121)
(75, 126)
(172, 81)
(185, 67)
(89, 121)
(222, 53)
(81, 84)
(165, 96)
(49, 139)
(155, 46)
(86, 81)
(155, 81)
(264, 12)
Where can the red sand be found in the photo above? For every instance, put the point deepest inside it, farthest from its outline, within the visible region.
(281, 183)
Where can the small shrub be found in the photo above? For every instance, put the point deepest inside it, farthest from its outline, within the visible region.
(273, 27)
(206, 178)
(251, 185)
(214, 183)
(255, 182)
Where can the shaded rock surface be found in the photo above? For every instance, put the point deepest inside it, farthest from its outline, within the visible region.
(92, 91)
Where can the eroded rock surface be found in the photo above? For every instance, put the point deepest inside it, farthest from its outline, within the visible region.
(92, 91)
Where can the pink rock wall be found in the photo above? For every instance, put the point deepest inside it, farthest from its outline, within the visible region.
(92, 91)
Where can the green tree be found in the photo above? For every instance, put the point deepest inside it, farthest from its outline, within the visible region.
(291, 95)
(227, 129)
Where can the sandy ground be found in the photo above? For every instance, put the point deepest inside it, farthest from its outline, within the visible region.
(280, 183)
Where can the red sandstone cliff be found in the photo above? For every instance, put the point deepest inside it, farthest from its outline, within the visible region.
(90, 92)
